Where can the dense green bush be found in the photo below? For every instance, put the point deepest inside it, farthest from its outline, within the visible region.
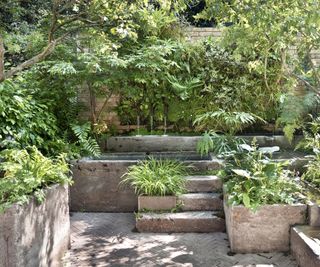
(23, 121)
(26, 173)
(171, 82)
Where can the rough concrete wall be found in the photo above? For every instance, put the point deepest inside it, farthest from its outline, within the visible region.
(96, 187)
(304, 245)
(266, 230)
(36, 235)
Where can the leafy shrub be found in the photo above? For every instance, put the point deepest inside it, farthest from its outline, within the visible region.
(253, 179)
(23, 121)
(26, 173)
(157, 177)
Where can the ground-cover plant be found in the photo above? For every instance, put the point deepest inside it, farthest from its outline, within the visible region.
(157, 177)
(27, 173)
(253, 179)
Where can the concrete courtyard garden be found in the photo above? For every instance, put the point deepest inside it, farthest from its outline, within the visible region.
(160, 133)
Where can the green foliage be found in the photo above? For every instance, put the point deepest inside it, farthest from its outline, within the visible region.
(26, 173)
(178, 80)
(157, 177)
(294, 111)
(312, 174)
(224, 121)
(87, 144)
(23, 121)
(218, 144)
(311, 142)
(253, 179)
(263, 33)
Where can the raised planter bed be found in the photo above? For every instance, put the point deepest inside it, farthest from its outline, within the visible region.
(157, 203)
(266, 230)
(36, 234)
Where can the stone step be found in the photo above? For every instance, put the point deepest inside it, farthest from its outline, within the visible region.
(201, 201)
(181, 222)
(305, 245)
(203, 183)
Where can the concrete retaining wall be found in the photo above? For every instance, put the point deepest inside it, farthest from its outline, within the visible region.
(96, 184)
(266, 230)
(96, 187)
(36, 235)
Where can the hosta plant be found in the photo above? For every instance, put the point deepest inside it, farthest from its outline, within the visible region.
(253, 179)
(157, 177)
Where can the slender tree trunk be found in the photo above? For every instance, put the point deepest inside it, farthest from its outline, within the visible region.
(1, 59)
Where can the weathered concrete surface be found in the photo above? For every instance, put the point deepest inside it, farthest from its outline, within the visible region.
(36, 235)
(107, 239)
(266, 230)
(181, 143)
(201, 201)
(96, 184)
(181, 222)
(157, 203)
(203, 183)
(314, 215)
(96, 187)
(305, 245)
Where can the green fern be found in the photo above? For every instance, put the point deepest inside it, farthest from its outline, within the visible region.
(228, 122)
(218, 144)
(88, 145)
(294, 110)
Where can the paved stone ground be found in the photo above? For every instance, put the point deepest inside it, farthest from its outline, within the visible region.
(109, 239)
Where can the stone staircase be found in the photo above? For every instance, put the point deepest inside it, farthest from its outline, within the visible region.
(200, 210)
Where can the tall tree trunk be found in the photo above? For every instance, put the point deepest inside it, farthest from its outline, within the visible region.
(1, 59)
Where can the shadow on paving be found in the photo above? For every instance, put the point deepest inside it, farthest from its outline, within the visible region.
(109, 239)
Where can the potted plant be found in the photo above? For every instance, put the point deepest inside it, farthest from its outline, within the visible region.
(157, 183)
(262, 201)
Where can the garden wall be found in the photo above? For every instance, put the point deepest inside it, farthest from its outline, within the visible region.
(36, 235)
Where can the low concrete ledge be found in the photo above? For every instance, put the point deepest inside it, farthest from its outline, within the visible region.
(266, 230)
(305, 246)
(36, 235)
(152, 143)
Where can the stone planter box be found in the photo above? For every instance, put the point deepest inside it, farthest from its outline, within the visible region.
(36, 234)
(266, 230)
(157, 202)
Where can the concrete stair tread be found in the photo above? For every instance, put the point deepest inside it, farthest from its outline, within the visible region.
(200, 195)
(181, 215)
(203, 183)
(181, 222)
(202, 177)
(305, 245)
